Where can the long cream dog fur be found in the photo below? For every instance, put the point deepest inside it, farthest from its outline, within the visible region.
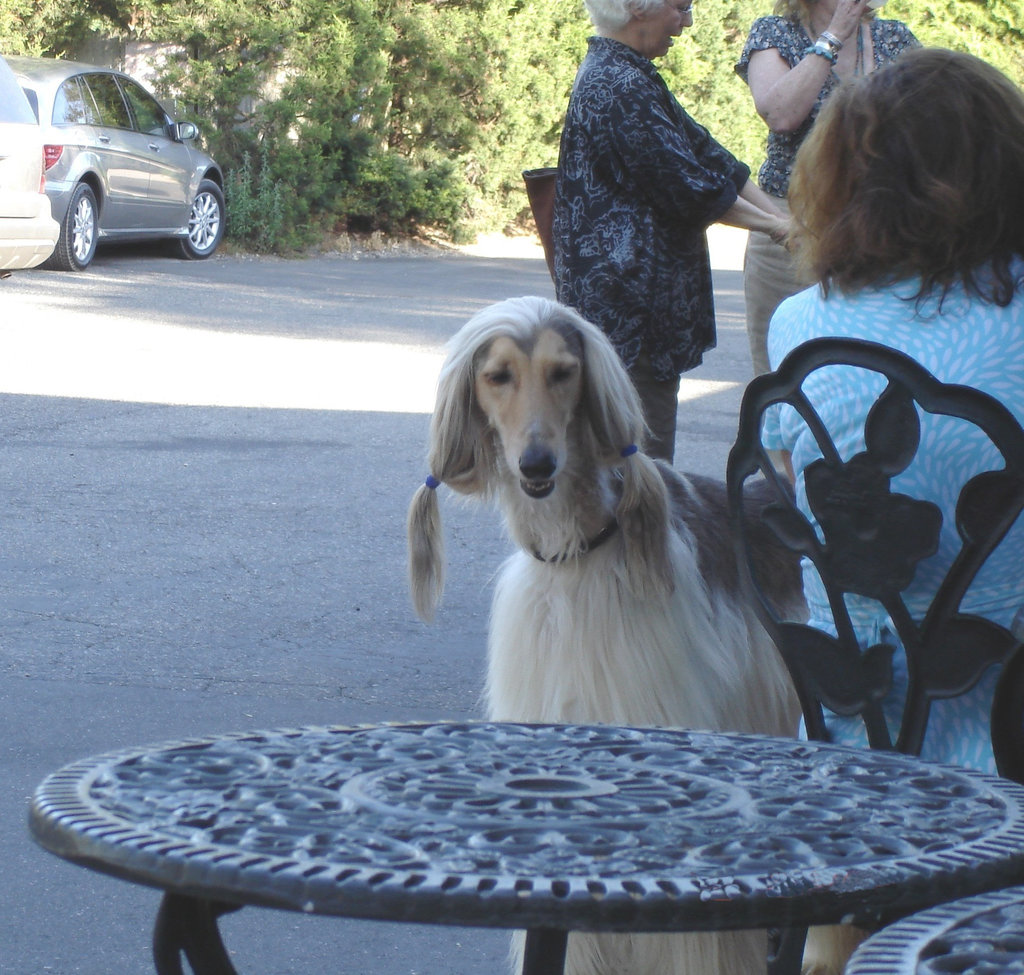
(622, 603)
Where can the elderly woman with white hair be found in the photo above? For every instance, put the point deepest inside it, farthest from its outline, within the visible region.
(639, 182)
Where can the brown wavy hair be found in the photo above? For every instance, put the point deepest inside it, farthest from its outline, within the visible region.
(915, 170)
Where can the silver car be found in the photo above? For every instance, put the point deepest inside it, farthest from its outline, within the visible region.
(118, 167)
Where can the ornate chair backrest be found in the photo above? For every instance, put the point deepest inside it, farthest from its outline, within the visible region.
(868, 540)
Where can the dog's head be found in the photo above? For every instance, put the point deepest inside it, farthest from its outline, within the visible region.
(520, 378)
(528, 389)
(518, 374)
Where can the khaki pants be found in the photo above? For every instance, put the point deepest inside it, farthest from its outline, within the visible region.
(769, 277)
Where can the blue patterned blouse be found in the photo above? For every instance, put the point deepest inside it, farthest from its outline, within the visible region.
(968, 341)
(888, 39)
(639, 182)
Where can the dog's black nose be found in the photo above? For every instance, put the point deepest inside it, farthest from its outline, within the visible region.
(537, 463)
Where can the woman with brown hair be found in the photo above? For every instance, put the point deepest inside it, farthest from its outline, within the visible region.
(907, 201)
(793, 61)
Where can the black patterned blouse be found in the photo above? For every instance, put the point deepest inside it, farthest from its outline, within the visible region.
(889, 38)
(639, 182)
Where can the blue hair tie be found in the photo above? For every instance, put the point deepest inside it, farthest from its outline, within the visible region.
(432, 482)
(629, 451)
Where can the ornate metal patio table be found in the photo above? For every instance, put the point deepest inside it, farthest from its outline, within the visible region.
(981, 935)
(541, 827)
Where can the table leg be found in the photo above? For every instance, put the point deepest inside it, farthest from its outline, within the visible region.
(545, 951)
(786, 952)
(188, 926)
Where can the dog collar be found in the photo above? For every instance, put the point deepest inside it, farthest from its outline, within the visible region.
(599, 539)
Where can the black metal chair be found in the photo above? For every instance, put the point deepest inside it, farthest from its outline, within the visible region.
(869, 541)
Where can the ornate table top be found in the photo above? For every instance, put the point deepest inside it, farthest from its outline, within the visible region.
(979, 935)
(539, 826)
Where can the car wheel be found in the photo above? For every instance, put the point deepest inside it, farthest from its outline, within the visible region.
(205, 222)
(79, 232)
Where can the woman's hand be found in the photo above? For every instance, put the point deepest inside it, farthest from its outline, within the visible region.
(780, 232)
(755, 210)
(846, 19)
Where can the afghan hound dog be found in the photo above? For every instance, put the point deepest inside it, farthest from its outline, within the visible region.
(622, 604)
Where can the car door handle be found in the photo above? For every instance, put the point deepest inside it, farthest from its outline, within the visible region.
(105, 139)
(154, 147)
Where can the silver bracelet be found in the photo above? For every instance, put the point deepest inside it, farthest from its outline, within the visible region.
(831, 38)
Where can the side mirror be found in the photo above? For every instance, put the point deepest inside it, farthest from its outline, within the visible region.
(186, 131)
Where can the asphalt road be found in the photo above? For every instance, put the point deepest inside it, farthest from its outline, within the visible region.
(207, 467)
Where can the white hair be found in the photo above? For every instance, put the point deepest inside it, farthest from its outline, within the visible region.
(611, 15)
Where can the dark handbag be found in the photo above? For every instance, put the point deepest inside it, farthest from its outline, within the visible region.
(540, 190)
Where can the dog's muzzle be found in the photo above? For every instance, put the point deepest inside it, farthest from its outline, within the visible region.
(537, 465)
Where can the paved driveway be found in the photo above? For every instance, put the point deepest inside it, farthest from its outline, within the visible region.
(206, 469)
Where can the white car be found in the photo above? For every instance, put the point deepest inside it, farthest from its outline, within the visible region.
(28, 232)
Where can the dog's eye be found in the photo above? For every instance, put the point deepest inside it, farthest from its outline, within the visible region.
(499, 377)
(562, 374)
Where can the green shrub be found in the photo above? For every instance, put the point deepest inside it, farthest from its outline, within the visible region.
(407, 115)
(394, 195)
(255, 206)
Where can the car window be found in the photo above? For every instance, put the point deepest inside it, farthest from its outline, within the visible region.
(33, 100)
(73, 105)
(13, 106)
(149, 116)
(112, 109)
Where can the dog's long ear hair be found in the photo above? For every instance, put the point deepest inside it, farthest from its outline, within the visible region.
(615, 414)
(461, 453)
